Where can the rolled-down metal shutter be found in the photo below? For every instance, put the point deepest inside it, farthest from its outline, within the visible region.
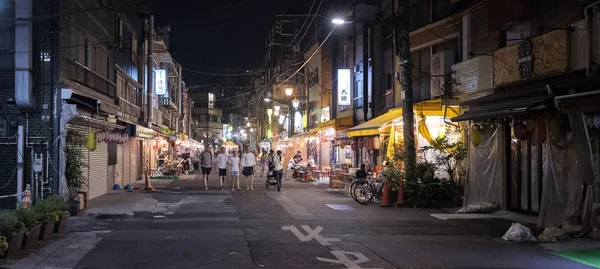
(119, 166)
(98, 167)
(126, 167)
(135, 159)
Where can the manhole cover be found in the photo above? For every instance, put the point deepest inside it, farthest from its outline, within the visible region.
(340, 207)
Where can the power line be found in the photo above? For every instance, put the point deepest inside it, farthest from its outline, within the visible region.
(305, 20)
(309, 58)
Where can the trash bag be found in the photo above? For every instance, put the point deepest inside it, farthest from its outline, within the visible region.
(518, 233)
(551, 234)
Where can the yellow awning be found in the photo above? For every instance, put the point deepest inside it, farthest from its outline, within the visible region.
(338, 124)
(302, 135)
(371, 127)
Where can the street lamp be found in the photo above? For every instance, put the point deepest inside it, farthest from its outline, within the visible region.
(296, 103)
(277, 108)
(338, 21)
(281, 118)
(248, 124)
(267, 100)
(289, 91)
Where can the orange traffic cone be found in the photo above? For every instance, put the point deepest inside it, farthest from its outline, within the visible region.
(400, 201)
(385, 197)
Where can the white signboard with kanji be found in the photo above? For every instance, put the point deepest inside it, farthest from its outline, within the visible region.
(344, 90)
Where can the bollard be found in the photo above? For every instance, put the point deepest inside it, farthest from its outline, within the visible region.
(26, 201)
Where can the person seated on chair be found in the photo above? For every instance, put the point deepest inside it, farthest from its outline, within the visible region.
(362, 172)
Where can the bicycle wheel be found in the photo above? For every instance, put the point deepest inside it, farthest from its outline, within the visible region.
(364, 195)
(356, 184)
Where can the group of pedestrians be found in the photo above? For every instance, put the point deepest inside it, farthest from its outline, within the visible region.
(246, 163)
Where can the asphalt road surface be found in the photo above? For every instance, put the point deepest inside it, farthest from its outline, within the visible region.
(303, 226)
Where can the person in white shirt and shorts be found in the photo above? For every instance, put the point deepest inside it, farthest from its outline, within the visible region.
(222, 160)
(234, 162)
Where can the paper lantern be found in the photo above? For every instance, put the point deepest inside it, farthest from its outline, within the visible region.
(530, 123)
(377, 143)
(541, 131)
(554, 128)
(521, 131)
(475, 136)
(91, 141)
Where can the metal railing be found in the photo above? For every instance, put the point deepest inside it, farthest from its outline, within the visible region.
(87, 77)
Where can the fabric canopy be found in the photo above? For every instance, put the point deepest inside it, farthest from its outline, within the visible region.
(371, 128)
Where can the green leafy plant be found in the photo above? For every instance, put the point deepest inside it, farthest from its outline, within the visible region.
(427, 190)
(448, 156)
(28, 217)
(75, 164)
(51, 209)
(10, 225)
(3, 245)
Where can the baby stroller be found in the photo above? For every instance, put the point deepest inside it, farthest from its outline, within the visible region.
(270, 178)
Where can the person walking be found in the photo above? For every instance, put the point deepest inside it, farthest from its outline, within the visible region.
(222, 160)
(278, 168)
(206, 162)
(186, 161)
(234, 162)
(249, 162)
(263, 163)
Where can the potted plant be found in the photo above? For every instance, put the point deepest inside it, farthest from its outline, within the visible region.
(29, 218)
(13, 230)
(48, 216)
(3, 245)
(74, 169)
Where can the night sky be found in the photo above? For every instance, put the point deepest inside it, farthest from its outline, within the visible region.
(208, 35)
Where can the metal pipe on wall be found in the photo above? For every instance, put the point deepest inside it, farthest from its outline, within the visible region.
(150, 86)
(20, 160)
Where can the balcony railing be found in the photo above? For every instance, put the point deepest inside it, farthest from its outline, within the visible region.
(166, 120)
(129, 108)
(87, 77)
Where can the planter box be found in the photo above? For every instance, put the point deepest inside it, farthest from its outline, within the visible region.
(47, 230)
(33, 237)
(14, 246)
(60, 226)
(74, 208)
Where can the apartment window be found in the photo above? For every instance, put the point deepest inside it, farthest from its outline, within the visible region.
(421, 74)
(358, 93)
(134, 50)
(121, 87)
(7, 39)
(132, 94)
(119, 30)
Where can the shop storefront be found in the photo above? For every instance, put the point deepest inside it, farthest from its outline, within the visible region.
(329, 148)
(100, 171)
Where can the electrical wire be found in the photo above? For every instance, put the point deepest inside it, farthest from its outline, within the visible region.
(305, 20)
(309, 58)
(311, 21)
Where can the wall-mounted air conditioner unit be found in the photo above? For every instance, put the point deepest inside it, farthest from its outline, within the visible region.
(441, 66)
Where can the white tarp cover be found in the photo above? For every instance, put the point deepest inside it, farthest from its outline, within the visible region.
(567, 164)
(68, 113)
(483, 190)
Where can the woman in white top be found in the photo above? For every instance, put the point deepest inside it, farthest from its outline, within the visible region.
(248, 162)
(234, 162)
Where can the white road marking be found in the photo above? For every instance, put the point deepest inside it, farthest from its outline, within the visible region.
(343, 257)
(311, 234)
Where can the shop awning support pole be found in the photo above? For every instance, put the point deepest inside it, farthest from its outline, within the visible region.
(402, 24)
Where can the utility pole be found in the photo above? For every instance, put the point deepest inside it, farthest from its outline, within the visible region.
(403, 50)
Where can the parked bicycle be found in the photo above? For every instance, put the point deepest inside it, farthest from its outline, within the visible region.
(366, 190)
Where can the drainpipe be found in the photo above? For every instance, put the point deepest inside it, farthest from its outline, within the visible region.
(150, 86)
(590, 38)
(20, 159)
(367, 29)
(179, 98)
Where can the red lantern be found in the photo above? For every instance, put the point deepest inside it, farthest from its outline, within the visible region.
(520, 130)
(540, 130)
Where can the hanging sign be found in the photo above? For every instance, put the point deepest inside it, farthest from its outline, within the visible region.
(344, 96)
(160, 82)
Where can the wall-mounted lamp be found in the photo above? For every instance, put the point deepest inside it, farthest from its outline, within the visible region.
(289, 91)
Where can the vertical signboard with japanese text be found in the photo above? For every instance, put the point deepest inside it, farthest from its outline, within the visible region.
(344, 93)
(160, 82)
(211, 100)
